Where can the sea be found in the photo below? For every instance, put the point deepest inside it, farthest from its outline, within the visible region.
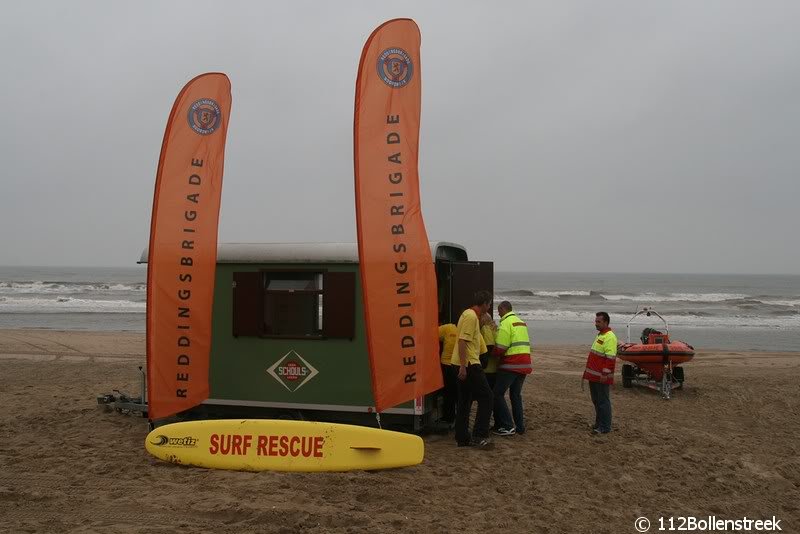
(725, 311)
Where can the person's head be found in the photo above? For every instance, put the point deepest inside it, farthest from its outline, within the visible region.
(482, 300)
(503, 308)
(601, 320)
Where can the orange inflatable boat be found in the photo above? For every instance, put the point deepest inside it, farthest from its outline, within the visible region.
(655, 361)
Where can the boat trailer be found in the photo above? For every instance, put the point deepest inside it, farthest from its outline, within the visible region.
(671, 379)
(123, 403)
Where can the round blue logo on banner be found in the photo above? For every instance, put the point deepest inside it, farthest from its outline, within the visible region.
(204, 116)
(395, 67)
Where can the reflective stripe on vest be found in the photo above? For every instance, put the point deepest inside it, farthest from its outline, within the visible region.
(514, 366)
(601, 355)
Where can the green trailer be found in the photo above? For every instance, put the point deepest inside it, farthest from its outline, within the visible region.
(288, 336)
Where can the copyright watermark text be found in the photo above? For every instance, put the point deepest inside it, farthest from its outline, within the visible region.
(709, 523)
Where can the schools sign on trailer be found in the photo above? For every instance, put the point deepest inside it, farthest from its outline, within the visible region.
(292, 371)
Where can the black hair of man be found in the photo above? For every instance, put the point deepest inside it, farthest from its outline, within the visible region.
(505, 305)
(481, 297)
(605, 317)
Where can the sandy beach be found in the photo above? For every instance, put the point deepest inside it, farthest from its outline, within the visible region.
(726, 446)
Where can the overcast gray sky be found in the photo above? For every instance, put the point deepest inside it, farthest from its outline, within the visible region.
(588, 136)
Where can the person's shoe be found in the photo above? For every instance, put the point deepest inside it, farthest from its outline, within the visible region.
(466, 444)
(597, 431)
(502, 431)
(483, 443)
(520, 432)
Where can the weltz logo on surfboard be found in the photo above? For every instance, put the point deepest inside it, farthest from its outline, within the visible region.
(292, 371)
(204, 116)
(395, 67)
(165, 441)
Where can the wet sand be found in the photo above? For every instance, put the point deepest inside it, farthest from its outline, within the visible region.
(726, 445)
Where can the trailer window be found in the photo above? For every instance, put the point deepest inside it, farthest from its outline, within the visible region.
(293, 304)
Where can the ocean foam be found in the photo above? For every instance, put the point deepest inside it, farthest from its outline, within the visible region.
(44, 287)
(69, 305)
(565, 293)
(677, 297)
(619, 320)
(777, 301)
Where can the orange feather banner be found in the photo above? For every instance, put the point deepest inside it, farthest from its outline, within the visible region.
(181, 260)
(397, 271)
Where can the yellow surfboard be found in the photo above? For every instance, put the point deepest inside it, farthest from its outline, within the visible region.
(277, 445)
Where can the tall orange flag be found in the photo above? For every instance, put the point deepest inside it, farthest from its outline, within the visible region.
(397, 272)
(182, 257)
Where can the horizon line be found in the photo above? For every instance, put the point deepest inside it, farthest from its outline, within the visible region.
(510, 271)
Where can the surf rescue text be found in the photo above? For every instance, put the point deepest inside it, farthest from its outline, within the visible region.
(270, 445)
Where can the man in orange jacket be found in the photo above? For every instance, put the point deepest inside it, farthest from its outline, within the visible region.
(600, 372)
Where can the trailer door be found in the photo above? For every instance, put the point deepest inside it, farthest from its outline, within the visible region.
(458, 281)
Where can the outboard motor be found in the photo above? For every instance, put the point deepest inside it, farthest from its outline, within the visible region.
(647, 332)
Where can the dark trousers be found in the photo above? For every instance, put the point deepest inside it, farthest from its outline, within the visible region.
(490, 379)
(450, 391)
(511, 382)
(473, 388)
(602, 405)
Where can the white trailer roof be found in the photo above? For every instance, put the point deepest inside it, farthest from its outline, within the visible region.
(300, 252)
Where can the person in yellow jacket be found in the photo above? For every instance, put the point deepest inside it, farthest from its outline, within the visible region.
(448, 337)
(600, 372)
(488, 361)
(472, 385)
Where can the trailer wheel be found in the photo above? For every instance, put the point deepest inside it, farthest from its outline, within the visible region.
(627, 376)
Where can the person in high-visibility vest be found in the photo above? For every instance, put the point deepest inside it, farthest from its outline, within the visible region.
(600, 372)
(513, 348)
